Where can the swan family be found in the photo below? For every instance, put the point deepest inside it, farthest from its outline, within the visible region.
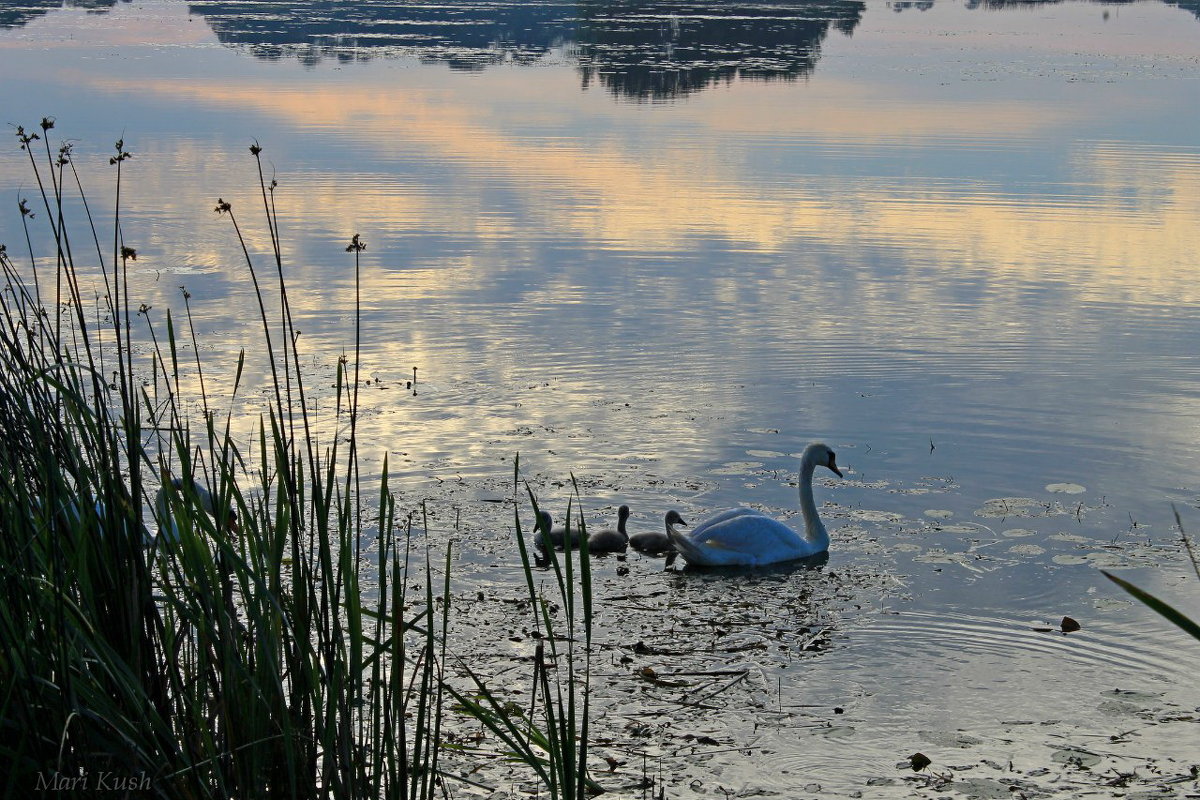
(735, 537)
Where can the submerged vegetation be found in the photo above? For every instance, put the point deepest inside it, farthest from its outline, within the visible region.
(240, 655)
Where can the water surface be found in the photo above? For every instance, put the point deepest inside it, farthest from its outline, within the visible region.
(660, 247)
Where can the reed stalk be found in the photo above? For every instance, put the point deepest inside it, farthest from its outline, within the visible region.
(239, 656)
(552, 737)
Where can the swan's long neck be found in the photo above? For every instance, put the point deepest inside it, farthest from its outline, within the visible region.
(814, 529)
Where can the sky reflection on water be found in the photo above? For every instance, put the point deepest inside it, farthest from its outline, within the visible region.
(958, 244)
(993, 253)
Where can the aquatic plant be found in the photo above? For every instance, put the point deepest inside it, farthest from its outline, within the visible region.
(245, 658)
(1161, 607)
(552, 736)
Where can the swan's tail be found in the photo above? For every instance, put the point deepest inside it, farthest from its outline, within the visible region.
(683, 547)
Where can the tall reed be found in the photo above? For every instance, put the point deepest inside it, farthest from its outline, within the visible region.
(552, 737)
(244, 658)
(1158, 605)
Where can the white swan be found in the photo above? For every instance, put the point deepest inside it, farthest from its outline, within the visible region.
(657, 542)
(547, 536)
(611, 540)
(71, 515)
(745, 537)
(168, 527)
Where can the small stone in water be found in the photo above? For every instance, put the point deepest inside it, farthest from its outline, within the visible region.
(918, 762)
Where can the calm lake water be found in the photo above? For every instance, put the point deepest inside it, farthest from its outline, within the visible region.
(662, 245)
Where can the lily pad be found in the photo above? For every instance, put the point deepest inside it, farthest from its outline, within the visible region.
(866, 515)
(1075, 756)
(1011, 507)
(954, 528)
(737, 467)
(938, 513)
(1065, 488)
(949, 738)
(983, 788)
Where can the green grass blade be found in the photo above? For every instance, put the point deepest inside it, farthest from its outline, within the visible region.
(1169, 612)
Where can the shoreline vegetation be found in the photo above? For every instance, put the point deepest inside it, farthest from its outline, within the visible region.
(236, 653)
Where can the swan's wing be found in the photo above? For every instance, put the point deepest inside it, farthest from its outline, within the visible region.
(744, 539)
(752, 534)
(701, 531)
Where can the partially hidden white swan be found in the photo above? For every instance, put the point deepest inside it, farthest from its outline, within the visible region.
(171, 492)
(611, 540)
(657, 542)
(745, 537)
(168, 525)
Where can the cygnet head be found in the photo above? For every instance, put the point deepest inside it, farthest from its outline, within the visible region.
(622, 516)
(820, 455)
(673, 518)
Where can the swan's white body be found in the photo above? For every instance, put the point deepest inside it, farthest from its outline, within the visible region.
(611, 540)
(168, 527)
(657, 542)
(745, 537)
(547, 536)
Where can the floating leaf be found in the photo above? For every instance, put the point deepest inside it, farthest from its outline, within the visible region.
(1065, 488)
(1011, 507)
(1075, 756)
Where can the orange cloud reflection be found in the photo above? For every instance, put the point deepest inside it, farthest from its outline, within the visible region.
(666, 197)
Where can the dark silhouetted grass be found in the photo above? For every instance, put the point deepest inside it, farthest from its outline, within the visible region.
(1161, 607)
(244, 659)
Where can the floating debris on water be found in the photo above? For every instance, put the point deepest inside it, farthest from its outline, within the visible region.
(1013, 507)
(1017, 533)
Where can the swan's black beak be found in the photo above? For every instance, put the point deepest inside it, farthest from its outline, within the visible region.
(833, 466)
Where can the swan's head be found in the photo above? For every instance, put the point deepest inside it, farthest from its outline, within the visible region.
(820, 455)
(623, 513)
(673, 518)
(544, 522)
